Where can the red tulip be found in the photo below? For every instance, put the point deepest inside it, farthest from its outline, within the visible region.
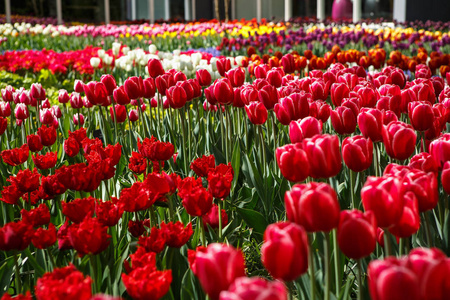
(268, 96)
(236, 77)
(219, 181)
(293, 162)
(356, 233)
(287, 240)
(343, 120)
(382, 195)
(212, 217)
(110, 83)
(176, 233)
(292, 108)
(42, 239)
(244, 288)
(177, 96)
(63, 96)
(370, 122)
(34, 143)
(89, 237)
(223, 91)
(46, 161)
(420, 115)
(223, 65)
(409, 222)
(256, 112)
(155, 67)
(390, 280)
(357, 153)
(338, 92)
(75, 101)
(399, 139)
(121, 113)
(16, 156)
(96, 93)
(195, 198)
(440, 149)
(147, 283)
(47, 135)
(203, 77)
(216, 266)
(15, 236)
(64, 283)
(324, 155)
(21, 111)
(134, 87)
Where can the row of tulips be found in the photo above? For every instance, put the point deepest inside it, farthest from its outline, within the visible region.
(233, 37)
(104, 196)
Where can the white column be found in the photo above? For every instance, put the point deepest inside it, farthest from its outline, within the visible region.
(321, 10)
(399, 12)
(233, 9)
(167, 9)
(133, 10)
(287, 9)
(151, 11)
(194, 7)
(356, 11)
(187, 10)
(8, 10)
(258, 10)
(107, 12)
(59, 11)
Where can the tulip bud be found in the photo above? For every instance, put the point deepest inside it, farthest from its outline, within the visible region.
(293, 162)
(357, 153)
(78, 86)
(357, 233)
(21, 111)
(421, 115)
(288, 240)
(110, 83)
(223, 91)
(37, 91)
(7, 93)
(155, 67)
(203, 76)
(75, 101)
(313, 205)
(78, 119)
(63, 96)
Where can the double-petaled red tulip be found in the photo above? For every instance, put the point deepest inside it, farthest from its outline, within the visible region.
(357, 233)
(89, 237)
(399, 140)
(42, 238)
(64, 283)
(46, 161)
(202, 165)
(324, 155)
(357, 153)
(219, 181)
(16, 156)
(15, 236)
(216, 266)
(195, 198)
(287, 240)
(293, 162)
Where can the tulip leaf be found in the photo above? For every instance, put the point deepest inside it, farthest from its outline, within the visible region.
(236, 162)
(446, 239)
(6, 271)
(253, 219)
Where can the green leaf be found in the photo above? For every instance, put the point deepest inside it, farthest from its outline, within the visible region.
(253, 219)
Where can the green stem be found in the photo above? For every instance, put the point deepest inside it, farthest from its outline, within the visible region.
(360, 281)
(352, 189)
(263, 149)
(220, 220)
(327, 265)
(312, 270)
(336, 263)
(183, 143)
(427, 228)
(17, 269)
(387, 243)
(202, 230)
(94, 273)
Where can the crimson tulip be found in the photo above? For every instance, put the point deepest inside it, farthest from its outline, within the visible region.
(324, 155)
(399, 139)
(357, 153)
(293, 162)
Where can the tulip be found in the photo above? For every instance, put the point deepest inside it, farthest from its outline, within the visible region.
(356, 233)
(96, 93)
(292, 108)
(134, 87)
(110, 83)
(440, 149)
(133, 115)
(389, 280)
(7, 93)
(177, 96)
(268, 96)
(203, 77)
(75, 101)
(420, 115)
(256, 112)
(245, 288)
(343, 120)
(274, 77)
(357, 153)
(120, 95)
(223, 91)
(236, 77)
(287, 240)
(149, 88)
(223, 65)
(409, 222)
(313, 206)
(399, 139)
(216, 266)
(370, 122)
(37, 91)
(121, 113)
(63, 96)
(155, 67)
(382, 195)
(5, 109)
(305, 128)
(78, 119)
(21, 111)
(324, 155)
(293, 162)
(338, 92)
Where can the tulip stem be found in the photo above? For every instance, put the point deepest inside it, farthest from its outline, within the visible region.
(115, 118)
(220, 219)
(201, 225)
(312, 275)
(326, 246)
(360, 281)
(183, 143)
(427, 229)
(94, 272)
(377, 157)
(16, 267)
(263, 149)
(352, 189)
(336, 264)
(387, 243)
